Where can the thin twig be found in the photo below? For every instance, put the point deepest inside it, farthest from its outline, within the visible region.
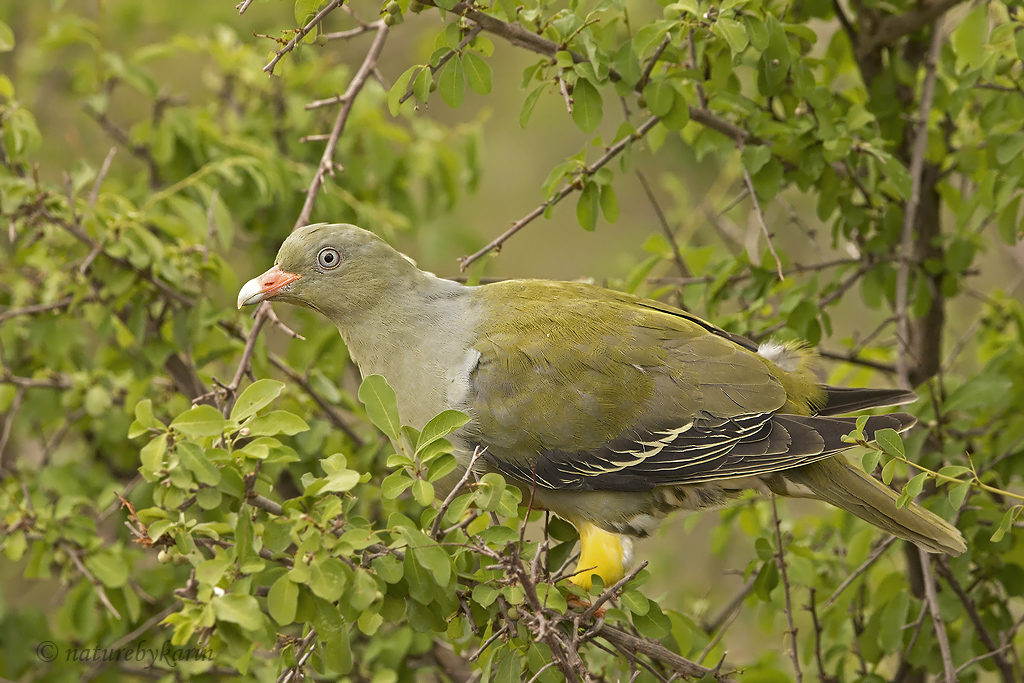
(872, 558)
(326, 164)
(104, 169)
(895, 26)
(933, 609)
(818, 657)
(306, 649)
(444, 59)
(290, 45)
(350, 33)
(645, 77)
(855, 359)
(677, 254)
(625, 641)
(610, 592)
(245, 362)
(780, 559)
(96, 584)
(447, 502)
(714, 623)
(12, 413)
(701, 97)
(1006, 671)
(55, 382)
(910, 210)
(566, 190)
(33, 309)
(242, 6)
(761, 221)
(521, 37)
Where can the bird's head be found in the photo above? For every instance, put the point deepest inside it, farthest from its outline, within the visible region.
(335, 269)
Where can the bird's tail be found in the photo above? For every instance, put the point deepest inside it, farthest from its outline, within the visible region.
(846, 487)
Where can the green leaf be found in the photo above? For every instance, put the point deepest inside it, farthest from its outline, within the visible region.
(478, 72)
(194, 459)
(755, 157)
(144, 415)
(635, 601)
(889, 470)
(363, 591)
(609, 204)
(339, 481)
(210, 572)
(111, 570)
(423, 491)
(381, 405)
(395, 484)
(441, 466)
(428, 554)
(152, 454)
(1006, 522)
(890, 442)
(587, 108)
(489, 491)
(327, 578)
(870, 460)
(6, 38)
(587, 205)
(452, 82)
(969, 37)
(440, 426)
(528, 104)
(660, 96)
(734, 33)
(257, 395)
(958, 493)
(283, 600)
(399, 89)
(484, 594)
(912, 489)
(277, 422)
(421, 85)
(238, 609)
(202, 420)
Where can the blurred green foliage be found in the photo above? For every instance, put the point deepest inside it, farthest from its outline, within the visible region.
(153, 490)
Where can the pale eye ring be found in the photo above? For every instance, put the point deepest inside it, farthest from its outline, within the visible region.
(328, 258)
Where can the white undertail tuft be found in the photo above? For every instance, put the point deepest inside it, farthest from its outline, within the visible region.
(786, 356)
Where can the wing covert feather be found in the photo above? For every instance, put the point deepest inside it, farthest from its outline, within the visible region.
(569, 372)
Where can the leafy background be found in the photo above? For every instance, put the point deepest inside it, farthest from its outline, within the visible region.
(173, 470)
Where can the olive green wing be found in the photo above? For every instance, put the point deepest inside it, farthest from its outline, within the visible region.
(581, 388)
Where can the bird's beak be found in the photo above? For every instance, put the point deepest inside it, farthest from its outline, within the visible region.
(265, 286)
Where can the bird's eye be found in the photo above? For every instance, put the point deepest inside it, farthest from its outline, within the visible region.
(328, 258)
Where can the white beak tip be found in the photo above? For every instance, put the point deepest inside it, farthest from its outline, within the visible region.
(250, 293)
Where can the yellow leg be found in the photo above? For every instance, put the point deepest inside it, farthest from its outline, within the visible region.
(602, 553)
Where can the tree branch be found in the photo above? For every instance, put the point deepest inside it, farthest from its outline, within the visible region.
(326, 165)
(631, 643)
(910, 210)
(994, 651)
(895, 26)
(780, 559)
(566, 190)
(933, 610)
(290, 45)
